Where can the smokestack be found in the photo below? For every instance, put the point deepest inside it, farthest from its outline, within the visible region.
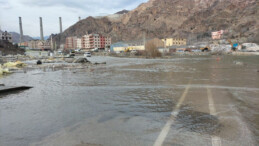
(60, 24)
(79, 18)
(41, 30)
(21, 31)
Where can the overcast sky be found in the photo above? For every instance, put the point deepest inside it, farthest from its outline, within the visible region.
(50, 10)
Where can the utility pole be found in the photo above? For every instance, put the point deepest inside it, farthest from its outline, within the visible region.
(144, 39)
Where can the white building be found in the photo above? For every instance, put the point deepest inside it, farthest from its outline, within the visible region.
(79, 43)
(6, 36)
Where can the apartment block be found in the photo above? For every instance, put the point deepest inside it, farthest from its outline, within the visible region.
(92, 41)
(79, 43)
(71, 43)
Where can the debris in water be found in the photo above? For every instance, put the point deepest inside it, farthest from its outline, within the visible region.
(39, 62)
(14, 64)
(6, 89)
(96, 63)
(81, 60)
(238, 63)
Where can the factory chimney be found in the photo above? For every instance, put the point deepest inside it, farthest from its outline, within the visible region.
(21, 31)
(60, 24)
(79, 18)
(41, 30)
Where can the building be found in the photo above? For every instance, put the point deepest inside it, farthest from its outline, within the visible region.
(79, 43)
(129, 48)
(216, 35)
(92, 41)
(44, 45)
(23, 45)
(5, 36)
(33, 44)
(71, 43)
(118, 44)
(174, 42)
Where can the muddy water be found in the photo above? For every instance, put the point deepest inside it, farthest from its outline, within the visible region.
(128, 102)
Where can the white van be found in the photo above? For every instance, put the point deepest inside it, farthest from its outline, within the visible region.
(87, 54)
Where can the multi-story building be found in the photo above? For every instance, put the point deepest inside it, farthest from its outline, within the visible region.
(6, 36)
(71, 43)
(92, 41)
(174, 42)
(79, 43)
(33, 44)
(89, 41)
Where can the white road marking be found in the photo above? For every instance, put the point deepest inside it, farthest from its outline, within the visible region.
(161, 138)
(215, 141)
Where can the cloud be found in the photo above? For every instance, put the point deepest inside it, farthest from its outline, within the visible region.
(50, 10)
(5, 5)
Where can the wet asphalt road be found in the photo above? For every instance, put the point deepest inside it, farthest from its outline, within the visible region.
(181, 101)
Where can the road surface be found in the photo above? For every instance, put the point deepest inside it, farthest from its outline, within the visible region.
(180, 101)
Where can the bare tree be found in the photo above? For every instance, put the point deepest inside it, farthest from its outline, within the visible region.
(151, 50)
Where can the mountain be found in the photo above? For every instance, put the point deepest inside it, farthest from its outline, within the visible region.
(38, 38)
(191, 19)
(16, 37)
(122, 12)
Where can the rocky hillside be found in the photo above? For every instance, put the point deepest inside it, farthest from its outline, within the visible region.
(193, 19)
(122, 12)
(8, 48)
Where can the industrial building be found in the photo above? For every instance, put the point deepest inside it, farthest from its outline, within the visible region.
(168, 42)
(5, 36)
(129, 48)
(118, 44)
(33, 44)
(44, 45)
(36, 45)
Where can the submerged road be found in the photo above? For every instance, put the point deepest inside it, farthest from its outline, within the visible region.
(180, 101)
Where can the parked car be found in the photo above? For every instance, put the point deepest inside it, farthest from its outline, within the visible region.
(72, 54)
(78, 50)
(87, 54)
(95, 50)
(133, 51)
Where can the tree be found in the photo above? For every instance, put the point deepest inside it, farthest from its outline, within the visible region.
(151, 50)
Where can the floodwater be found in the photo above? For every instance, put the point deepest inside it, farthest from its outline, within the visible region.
(181, 101)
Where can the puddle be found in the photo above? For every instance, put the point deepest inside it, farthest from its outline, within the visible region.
(199, 122)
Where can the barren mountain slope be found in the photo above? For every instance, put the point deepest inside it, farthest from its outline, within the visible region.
(180, 18)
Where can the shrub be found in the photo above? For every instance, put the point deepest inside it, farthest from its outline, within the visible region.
(151, 50)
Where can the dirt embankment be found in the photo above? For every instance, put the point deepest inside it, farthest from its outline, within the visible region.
(8, 48)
